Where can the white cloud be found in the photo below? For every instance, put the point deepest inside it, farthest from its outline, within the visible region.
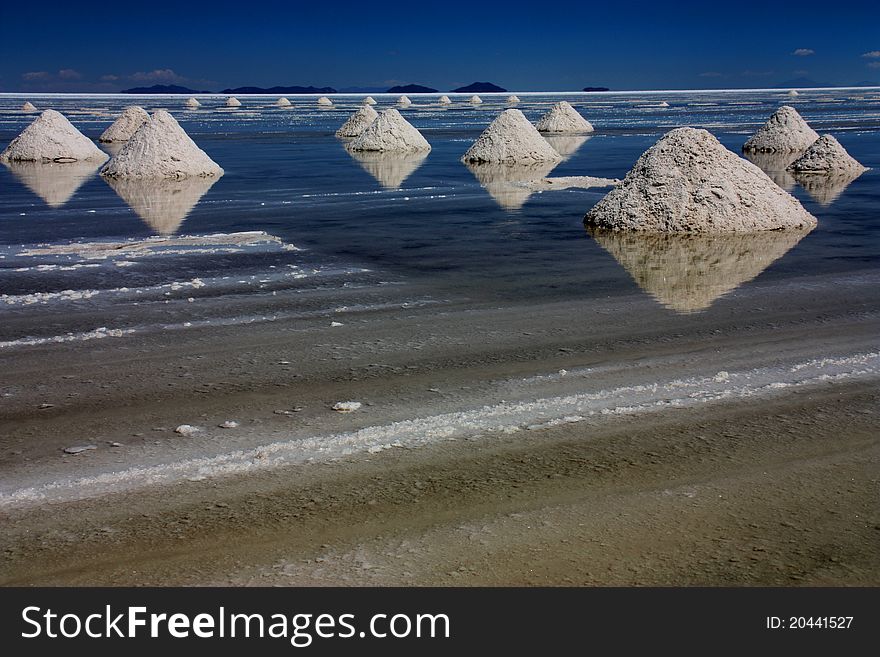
(804, 52)
(109, 78)
(873, 64)
(871, 54)
(35, 75)
(158, 75)
(710, 74)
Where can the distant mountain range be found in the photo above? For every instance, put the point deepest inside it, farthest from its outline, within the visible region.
(411, 89)
(479, 88)
(162, 89)
(596, 89)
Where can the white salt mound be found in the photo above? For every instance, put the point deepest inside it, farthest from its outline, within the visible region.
(324, 101)
(663, 103)
(785, 131)
(444, 100)
(126, 125)
(562, 117)
(793, 94)
(511, 139)
(369, 100)
(192, 103)
(346, 406)
(28, 107)
(282, 102)
(233, 102)
(187, 430)
(358, 122)
(476, 100)
(512, 100)
(161, 149)
(689, 183)
(826, 156)
(390, 132)
(51, 138)
(403, 100)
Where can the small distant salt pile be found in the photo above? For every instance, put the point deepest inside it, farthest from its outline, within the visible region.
(562, 117)
(689, 183)
(51, 138)
(390, 132)
(476, 100)
(793, 94)
(161, 149)
(324, 101)
(403, 101)
(785, 131)
(826, 156)
(282, 102)
(126, 125)
(444, 100)
(28, 107)
(512, 100)
(510, 139)
(369, 100)
(663, 103)
(233, 102)
(358, 122)
(192, 103)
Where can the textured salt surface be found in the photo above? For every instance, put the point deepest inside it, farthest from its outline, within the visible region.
(688, 182)
(562, 117)
(233, 102)
(282, 102)
(123, 128)
(161, 149)
(784, 131)
(510, 139)
(570, 182)
(826, 156)
(51, 138)
(358, 122)
(390, 132)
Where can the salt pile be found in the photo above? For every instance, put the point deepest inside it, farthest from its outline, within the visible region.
(51, 138)
(793, 94)
(54, 183)
(390, 132)
(689, 183)
(369, 100)
(444, 100)
(562, 117)
(126, 125)
(476, 100)
(192, 103)
(389, 169)
(233, 102)
(785, 131)
(826, 156)
(511, 139)
(512, 100)
(164, 203)
(28, 107)
(403, 101)
(282, 102)
(663, 103)
(357, 122)
(324, 101)
(161, 149)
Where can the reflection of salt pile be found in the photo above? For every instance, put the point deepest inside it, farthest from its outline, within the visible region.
(687, 273)
(403, 101)
(161, 149)
(827, 188)
(562, 117)
(369, 100)
(566, 145)
(512, 100)
(476, 100)
(28, 107)
(390, 132)
(54, 183)
(233, 102)
(826, 156)
(163, 204)
(511, 139)
(324, 101)
(51, 138)
(774, 165)
(357, 122)
(126, 125)
(784, 131)
(444, 100)
(192, 103)
(389, 169)
(505, 182)
(282, 102)
(688, 182)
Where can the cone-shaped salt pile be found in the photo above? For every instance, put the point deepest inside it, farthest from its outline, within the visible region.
(192, 103)
(404, 101)
(163, 204)
(827, 188)
(369, 100)
(161, 149)
(282, 102)
(687, 273)
(390, 132)
(444, 100)
(51, 138)
(512, 100)
(663, 103)
(233, 102)
(511, 139)
(689, 183)
(775, 165)
(324, 101)
(357, 122)
(54, 183)
(562, 117)
(505, 182)
(785, 131)
(826, 156)
(126, 125)
(793, 94)
(28, 107)
(476, 100)
(389, 169)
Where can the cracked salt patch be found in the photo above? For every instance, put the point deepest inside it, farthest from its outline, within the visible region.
(501, 418)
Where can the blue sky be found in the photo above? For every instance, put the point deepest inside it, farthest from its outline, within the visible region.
(537, 46)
